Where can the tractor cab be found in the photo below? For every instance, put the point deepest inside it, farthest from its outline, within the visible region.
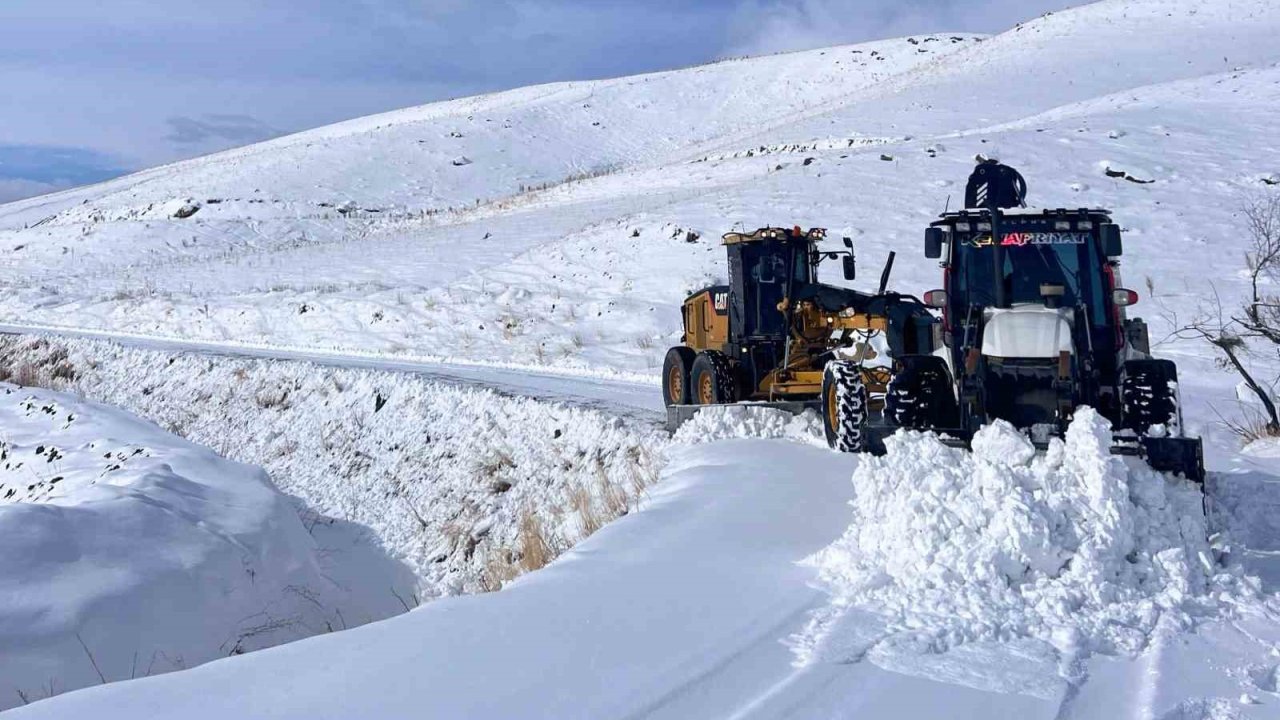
(1033, 317)
(1036, 300)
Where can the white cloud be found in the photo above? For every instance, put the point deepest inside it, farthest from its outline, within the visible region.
(11, 190)
(768, 26)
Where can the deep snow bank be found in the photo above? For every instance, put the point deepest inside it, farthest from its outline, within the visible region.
(1076, 547)
(129, 552)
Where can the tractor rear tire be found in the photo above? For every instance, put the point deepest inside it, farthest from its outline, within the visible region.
(1149, 397)
(711, 379)
(676, 369)
(844, 406)
(919, 396)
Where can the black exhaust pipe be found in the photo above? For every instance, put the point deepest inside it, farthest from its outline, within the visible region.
(884, 276)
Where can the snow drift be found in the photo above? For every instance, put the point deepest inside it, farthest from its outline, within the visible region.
(749, 421)
(1075, 547)
(130, 552)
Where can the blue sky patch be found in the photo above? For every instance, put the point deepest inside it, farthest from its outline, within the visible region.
(61, 166)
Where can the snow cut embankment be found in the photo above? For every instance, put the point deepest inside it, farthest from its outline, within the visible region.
(130, 552)
(1075, 547)
(465, 486)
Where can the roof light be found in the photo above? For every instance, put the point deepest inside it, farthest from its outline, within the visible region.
(1062, 225)
(1085, 225)
(963, 227)
(984, 227)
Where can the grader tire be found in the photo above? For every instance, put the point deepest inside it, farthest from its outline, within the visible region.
(844, 405)
(676, 369)
(711, 380)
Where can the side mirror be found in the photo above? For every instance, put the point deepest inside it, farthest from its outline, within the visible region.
(936, 299)
(1111, 243)
(933, 238)
(1123, 297)
(850, 267)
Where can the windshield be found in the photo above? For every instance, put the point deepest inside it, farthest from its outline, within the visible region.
(1030, 261)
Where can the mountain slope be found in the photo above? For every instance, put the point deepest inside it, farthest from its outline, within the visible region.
(340, 237)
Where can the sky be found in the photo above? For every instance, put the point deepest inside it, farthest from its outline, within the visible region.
(97, 88)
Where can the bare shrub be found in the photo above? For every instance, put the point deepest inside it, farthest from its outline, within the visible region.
(26, 374)
(1253, 327)
(35, 362)
(500, 568)
(273, 399)
(1252, 425)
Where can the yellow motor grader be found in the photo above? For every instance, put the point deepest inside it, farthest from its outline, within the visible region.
(770, 335)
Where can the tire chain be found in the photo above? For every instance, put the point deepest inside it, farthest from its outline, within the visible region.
(851, 403)
(723, 379)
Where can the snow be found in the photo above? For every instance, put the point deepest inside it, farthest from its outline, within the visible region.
(129, 552)
(556, 258)
(436, 475)
(1078, 548)
(684, 609)
(726, 422)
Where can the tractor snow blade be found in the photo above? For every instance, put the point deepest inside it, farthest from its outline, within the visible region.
(1175, 455)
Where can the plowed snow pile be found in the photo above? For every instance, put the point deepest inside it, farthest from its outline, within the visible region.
(749, 421)
(1076, 547)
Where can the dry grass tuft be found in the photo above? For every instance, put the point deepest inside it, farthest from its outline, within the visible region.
(583, 503)
(35, 362)
(537, 546)
(1252, 426)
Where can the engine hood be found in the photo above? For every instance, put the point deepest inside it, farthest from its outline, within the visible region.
(1027, 331)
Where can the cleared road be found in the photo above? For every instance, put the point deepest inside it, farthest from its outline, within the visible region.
(633, 399)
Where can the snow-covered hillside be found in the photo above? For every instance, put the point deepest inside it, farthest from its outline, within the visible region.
(344, 236)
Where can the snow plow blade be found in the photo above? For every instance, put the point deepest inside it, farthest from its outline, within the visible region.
(1173, 455)
(678, 415)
